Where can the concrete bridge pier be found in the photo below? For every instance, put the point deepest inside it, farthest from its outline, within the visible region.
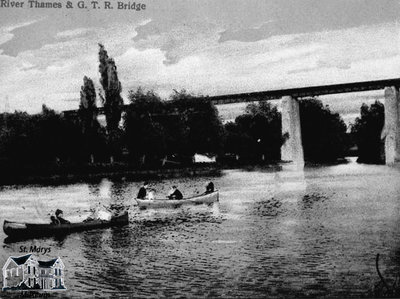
(292, 149)
(391, 130)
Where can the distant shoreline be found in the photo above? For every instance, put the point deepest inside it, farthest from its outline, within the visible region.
(121, 171)
(109, 171)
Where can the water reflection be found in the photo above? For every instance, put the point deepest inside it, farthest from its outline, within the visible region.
(278, 234)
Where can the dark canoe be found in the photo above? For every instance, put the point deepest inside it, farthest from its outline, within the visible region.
(173, 203)
(23, 230)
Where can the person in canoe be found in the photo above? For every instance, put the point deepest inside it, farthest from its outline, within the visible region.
(175, 193)
(142, 191)
(54, 220)
(59, 216)
(209, 188)
(151, 194)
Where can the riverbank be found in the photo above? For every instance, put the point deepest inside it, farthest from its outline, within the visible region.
(93, 172)
(71, 173)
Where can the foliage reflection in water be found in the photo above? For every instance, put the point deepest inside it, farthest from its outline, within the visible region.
(284, 234)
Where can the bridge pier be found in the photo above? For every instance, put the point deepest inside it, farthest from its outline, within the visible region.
(391, 131)
(292, 149)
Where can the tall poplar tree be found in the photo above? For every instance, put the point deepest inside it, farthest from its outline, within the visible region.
(88, 115)
(112, 99)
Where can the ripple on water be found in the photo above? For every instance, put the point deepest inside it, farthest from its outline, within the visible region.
(272, 234)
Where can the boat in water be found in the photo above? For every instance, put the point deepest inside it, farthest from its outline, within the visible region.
(30, 230)
(174, 203)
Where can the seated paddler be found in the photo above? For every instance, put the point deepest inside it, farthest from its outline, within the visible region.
(59, 217)
(54, 220)
(175, 193)
(142, 191)
(209, 188)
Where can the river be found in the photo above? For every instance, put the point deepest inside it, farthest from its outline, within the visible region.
(276, 234)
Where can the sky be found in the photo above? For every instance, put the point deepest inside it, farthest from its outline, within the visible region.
(206, 47)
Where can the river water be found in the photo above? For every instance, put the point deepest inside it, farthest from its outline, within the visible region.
(276, 234)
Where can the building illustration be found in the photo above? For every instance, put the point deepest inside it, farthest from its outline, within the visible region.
(27, 273)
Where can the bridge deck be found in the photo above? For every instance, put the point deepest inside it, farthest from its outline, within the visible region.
(304, 91)
(294, 92)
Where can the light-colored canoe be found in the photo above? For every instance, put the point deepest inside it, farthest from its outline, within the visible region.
(173, 203)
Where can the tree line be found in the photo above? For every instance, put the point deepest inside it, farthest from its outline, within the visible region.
(152, 131)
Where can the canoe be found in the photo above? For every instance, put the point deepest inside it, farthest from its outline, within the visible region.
(173, 203)
(21, 230)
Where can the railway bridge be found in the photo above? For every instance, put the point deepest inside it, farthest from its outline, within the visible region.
(292, 150)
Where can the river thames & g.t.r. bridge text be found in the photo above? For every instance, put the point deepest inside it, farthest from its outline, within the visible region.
(106, 5)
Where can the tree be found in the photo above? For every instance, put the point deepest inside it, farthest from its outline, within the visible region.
(323, 132)
(112, 100)
(38, 139)
(201, 128)
(88, 116)
(144, 135)
(257, 133)
(16, 129)
(238, 142)
(367, 132)
(183, 126)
